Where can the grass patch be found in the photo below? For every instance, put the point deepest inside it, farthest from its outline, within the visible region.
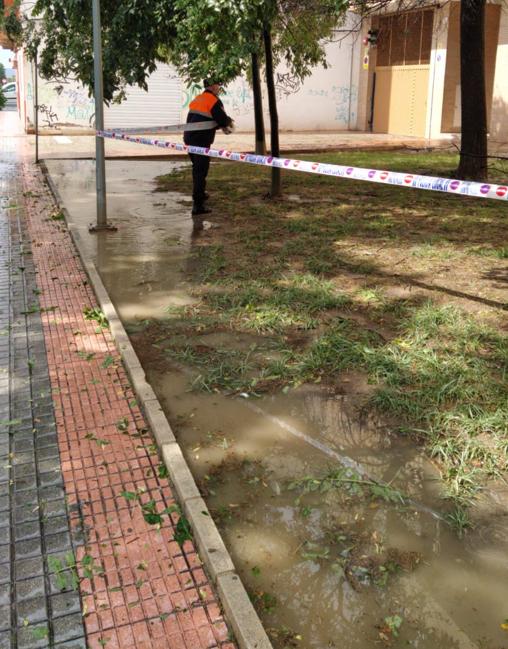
(322, 280)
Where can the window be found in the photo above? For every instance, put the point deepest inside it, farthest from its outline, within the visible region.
(405, 39)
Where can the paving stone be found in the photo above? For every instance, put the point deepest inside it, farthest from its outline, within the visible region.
(26, 513)
(5, 594)
(23, 471)
(26, 483)
(50, 479)
(5, 573)
(54, 508)
(25, 435)
(26, 549)
(4, 503)
(5, 640)
(29, 588)
(58, 542)
(5, 618)
(43, 441)
(23, 531)
(56, 524)
(5, 535)
(68, 627)
(48, 452)
(26, 498)
(65, 603)
(78, 643)
(61, 583)
(5, 553)
(33, 610)
(32, 638)
(23, 445)
(51, 493)
(50, 465)
(26, 457)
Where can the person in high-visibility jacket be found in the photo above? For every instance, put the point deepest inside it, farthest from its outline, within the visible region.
(205, 107)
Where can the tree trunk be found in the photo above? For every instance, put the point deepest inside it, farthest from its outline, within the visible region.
(473, 149)
(259, 120)
(274, 118)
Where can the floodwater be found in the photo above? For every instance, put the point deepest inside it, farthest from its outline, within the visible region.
(336, 568)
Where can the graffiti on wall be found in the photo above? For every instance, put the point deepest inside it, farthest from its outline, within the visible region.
(48, 115)
(66, 103)
(286, 84)
(344, 99)
(239, 98)
(79, 106)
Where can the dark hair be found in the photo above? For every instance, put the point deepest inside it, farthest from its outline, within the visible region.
(210, 82)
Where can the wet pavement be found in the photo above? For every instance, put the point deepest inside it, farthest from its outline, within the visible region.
(329, 569)
(82, 563)
(35, 531)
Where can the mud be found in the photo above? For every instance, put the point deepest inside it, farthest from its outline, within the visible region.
(343, 566)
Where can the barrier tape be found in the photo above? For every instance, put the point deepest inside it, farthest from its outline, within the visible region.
(400, 179)
(171, 128)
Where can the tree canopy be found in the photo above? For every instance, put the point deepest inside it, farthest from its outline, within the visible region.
(218, 37)
(132, 33)
(203, 37)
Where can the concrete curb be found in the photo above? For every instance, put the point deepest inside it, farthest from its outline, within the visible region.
(240, 613)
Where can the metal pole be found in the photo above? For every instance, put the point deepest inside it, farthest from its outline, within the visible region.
(100, 169)
(36, 108)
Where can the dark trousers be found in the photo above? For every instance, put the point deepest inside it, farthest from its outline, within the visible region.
(200, 166)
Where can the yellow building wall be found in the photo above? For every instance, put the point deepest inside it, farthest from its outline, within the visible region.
(401, 99)
(499, 114)
(450, 120)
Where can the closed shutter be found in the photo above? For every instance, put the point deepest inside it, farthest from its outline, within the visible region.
(160, 105)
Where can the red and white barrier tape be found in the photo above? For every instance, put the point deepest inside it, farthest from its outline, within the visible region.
(172, 128)
(400, 179)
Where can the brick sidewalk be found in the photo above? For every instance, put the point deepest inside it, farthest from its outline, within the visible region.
(80, 474)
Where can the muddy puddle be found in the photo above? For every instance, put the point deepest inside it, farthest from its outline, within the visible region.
(335, 525)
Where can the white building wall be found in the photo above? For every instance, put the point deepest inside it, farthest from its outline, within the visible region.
(63, 103)
(437, 71)
(326, 100)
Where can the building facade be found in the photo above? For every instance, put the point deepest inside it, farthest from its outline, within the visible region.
(410, 84)
(407, 83)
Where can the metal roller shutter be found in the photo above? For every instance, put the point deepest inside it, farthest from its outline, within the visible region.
(162, 104)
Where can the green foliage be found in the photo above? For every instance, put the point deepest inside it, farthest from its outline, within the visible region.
(11, 24)
(132, 32)
(298, 28)
(183, 531)
(354, 484)
(393, 622)
(3, 100)
(96, 314)
(66, 576)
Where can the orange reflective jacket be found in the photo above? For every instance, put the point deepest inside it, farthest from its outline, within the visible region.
(203, 104)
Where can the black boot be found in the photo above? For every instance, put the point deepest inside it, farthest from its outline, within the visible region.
(199, 208)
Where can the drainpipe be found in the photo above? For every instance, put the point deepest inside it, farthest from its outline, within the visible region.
(371, 118)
